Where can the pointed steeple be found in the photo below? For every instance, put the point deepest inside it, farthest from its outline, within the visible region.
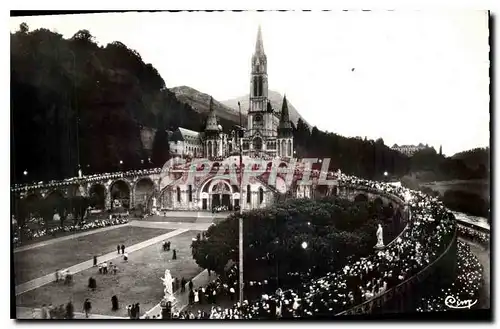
(212, 124)
(285, 126)
(259, 45)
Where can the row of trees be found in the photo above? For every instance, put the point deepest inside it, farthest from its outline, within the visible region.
(370, 159)
(334, 230)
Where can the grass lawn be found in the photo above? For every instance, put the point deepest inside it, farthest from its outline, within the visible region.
(34, 263)
(138, 281)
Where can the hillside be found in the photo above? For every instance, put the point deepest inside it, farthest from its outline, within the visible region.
(474, 158)
(276, 101)
(74, 103)
(200, 102)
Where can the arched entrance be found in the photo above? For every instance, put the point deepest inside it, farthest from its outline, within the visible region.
(120, 195)
(361, 198)
(55, 202)
(97, 196)
(221, 195)
(216, 192)
(144, 189)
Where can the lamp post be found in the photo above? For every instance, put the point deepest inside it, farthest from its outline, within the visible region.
(76, 111)
(240, 133)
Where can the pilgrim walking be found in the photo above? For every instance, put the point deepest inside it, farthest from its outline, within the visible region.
(70, 310)
(87, 307)
(114, 303)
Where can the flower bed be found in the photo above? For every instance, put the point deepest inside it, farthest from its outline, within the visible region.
(31, 234)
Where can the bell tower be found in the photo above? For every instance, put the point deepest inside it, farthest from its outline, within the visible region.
(258, 80)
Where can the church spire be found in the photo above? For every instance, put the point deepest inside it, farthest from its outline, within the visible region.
(259, 45)
(212, 124)
(285, 126)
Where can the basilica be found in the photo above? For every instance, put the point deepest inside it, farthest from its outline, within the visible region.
(268, 135)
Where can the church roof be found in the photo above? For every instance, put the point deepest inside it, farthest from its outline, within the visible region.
(187, 132)
(183, 134)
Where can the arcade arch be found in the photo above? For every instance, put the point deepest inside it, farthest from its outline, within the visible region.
(120, 194)
(97, 196)
(217, 192)
(144, 190)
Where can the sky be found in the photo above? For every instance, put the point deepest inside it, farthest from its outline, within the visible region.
(408, 77)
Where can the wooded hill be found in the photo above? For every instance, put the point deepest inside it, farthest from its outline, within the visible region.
(115, 96)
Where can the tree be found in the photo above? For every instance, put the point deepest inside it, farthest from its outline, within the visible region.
(83, 35)
(23, 28)
(333, 229)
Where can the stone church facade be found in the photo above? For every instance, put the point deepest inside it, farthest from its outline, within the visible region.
(268, 136)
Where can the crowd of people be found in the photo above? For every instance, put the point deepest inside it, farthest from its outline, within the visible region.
(467, 285)
(57, 312)
(474, 235)
(428, 233)
(91, 178)
(31, 234)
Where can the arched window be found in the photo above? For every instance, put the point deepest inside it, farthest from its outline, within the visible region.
(190, 193)
(248, 194)
(289, 148)
(260, 86)
(178, 194)
(255, 86)
(261, 195)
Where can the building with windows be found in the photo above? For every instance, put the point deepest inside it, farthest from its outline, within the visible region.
(409, 150)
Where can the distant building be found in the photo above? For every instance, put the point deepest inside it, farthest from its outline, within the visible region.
(185, 142)
(409, 150)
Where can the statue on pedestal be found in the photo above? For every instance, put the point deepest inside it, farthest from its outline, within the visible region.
(380, 237)
(167, 283)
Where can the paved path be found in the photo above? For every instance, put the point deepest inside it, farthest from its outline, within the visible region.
(25, 313)
(182, 299)
(41, 281)
(483, 255)
(67, 237)
(172, 225)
